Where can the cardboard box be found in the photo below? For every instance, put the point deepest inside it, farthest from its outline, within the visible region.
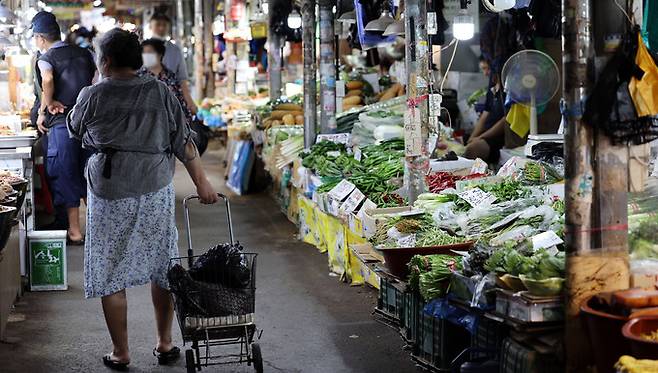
(373, 217)
(355, 224)
(644, 281)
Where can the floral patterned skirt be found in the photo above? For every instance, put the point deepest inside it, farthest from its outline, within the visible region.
(129, 241)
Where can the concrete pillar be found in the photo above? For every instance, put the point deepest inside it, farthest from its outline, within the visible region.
(327, 68)
(310, 99)
(274, 58)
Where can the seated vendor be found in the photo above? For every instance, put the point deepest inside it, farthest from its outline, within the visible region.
(488, 136)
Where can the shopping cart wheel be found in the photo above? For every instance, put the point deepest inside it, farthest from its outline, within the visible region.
(189, 361)
(257, 357)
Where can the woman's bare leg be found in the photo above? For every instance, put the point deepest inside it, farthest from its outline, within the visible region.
(115, 308)
(164, 316)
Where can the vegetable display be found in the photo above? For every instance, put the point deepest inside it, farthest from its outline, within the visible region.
(431, 274)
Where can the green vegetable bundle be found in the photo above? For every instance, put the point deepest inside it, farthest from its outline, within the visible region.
(535, 172)
(430, 274)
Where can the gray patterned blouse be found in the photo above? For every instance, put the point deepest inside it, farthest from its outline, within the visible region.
(136, 127)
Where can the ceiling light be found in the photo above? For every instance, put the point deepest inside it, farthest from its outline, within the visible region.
(463, 27)
(396, 28)
(381, 23)
(348, 17)
(294, 19)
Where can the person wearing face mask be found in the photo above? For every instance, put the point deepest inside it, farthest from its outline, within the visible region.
(153, 51)
(173, 56)
(63, 70)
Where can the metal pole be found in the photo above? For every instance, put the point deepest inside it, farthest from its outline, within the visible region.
(327, 69)
(209, 47)
(198, 49)
(274, 65)
(180, 22)
(596, 187)
(416, 128)
(310, 100)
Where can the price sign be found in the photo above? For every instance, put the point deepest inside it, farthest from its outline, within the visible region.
(353, 201)
(342, 190)
(476, 197)
(413, 142)
(333, 153)
(367, 205)
(545, 240)
(431, 23)
(358, 154)
(435, 101)
(338, 138)
(479, 167)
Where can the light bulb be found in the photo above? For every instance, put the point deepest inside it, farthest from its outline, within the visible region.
(463, 27)
(294, 19)
(266, 7)
(504, 4)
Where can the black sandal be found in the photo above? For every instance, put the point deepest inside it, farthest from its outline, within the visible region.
(70, 242)
(166, 358)
(113, 364)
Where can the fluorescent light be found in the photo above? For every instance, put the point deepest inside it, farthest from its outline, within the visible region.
(463, 27)
(294, 19)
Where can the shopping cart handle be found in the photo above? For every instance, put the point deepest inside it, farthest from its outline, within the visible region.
(186, 211)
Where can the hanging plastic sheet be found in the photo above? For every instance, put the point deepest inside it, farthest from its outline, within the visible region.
(650, 25)
(644, 90)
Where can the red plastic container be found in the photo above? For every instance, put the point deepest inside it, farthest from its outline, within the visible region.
(634, 329)
(397, 258)
(604, 329)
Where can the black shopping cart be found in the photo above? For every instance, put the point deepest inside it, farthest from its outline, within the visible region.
(213, 311)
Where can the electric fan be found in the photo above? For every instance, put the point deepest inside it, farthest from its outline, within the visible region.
(531, 77)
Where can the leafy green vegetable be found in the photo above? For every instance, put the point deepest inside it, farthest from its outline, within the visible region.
(431, 274)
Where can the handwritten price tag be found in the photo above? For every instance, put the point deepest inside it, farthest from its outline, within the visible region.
(545, 240)
(338, 138)
(435, 104)
(353, 201)
(476, 197)
(358, 154)
(342, 190)
(413, 142)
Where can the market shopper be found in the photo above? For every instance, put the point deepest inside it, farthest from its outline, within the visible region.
(153, 51)
(173, 58)
(62, 71)
(138, 129)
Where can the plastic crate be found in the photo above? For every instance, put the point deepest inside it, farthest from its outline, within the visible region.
(413, 311)
(439, 342)
(516, 358)
(390, 302)
(489, 335)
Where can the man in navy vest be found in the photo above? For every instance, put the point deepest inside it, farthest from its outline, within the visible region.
(62, 71)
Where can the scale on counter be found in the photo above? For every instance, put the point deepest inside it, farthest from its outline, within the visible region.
(531, 77)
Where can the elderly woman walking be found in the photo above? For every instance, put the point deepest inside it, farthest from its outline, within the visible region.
(137, 129)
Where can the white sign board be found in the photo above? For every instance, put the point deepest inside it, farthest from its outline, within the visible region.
(476, 196)
(338, 138)
(342, 190)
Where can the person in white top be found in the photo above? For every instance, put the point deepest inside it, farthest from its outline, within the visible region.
(173, 58)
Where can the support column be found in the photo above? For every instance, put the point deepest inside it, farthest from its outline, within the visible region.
(596, 188)
(327, 68)
(208, 49)
(310, 99)
(180, 21)
(198, 49)
(416, 128)
(274, 59)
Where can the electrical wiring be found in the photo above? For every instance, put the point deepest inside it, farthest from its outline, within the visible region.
(452, 58)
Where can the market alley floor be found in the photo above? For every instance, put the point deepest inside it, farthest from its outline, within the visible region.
(312, 322)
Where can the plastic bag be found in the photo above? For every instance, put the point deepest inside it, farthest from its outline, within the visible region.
(198, 298)
(223, 264)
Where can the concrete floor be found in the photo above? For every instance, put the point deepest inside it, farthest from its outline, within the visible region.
(311, 321)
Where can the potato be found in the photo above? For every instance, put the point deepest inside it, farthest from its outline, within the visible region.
(299, 120)
(354, 84)
(289, 107)
(279, 114)
(288, 120)
(354, 100)
(354, 92)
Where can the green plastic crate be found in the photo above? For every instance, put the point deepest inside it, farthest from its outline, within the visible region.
(516, 358)
(439, 342)
(390, 302)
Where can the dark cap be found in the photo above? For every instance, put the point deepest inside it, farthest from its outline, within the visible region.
(45, 23)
